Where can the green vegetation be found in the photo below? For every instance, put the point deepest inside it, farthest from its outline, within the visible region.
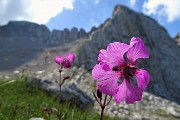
(20, 101)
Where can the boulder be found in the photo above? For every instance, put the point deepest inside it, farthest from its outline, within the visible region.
(69, 92)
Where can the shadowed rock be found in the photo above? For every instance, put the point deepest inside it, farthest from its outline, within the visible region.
(69, 92)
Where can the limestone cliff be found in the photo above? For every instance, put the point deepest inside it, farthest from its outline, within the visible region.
(163, 64)
(21, 41)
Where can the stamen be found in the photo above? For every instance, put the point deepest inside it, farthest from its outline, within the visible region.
(128, 72)
(116, 68)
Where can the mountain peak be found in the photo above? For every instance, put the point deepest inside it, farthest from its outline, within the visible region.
(119, 9)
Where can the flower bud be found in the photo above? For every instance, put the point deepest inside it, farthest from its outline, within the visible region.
(99, 94)
(67, 77)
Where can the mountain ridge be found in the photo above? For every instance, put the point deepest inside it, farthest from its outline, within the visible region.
(25, 40)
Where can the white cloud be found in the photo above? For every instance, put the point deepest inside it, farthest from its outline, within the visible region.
(163, 9)
(39, 11)
(132, 2)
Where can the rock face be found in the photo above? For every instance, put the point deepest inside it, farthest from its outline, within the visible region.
(66, 35)
(15, 35)
(21, 41)
(163, 64)
(16, 32)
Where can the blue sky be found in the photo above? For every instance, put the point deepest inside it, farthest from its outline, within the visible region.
(88, 13)
(60, 14)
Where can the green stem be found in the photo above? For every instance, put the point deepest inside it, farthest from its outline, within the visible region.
(59, 96)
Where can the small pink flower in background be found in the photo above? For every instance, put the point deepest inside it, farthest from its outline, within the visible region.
(119, 62)
(65, 60)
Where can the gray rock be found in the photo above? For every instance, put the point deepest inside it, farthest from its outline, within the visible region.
(177, 38)
(63, 36)
(16, 72)
(36, 119)
(7, 77)
(174, 111)
(40, 72)
(70, 92)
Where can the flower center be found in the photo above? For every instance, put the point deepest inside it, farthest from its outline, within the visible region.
(127, 71)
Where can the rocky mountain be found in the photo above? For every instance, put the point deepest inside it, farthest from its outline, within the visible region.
(36, 35)
(21, 41)
(163, 64)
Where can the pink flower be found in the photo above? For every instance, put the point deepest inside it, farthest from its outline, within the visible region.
(65, 60)
(119, 62)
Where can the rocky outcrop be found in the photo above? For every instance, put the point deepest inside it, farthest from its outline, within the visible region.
(66, 35)
(163, 64)
(177, 38)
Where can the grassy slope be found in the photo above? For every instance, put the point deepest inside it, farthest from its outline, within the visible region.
(19, 101)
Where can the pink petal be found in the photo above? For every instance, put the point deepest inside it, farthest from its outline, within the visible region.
(66, 64)
(127, 91)
(105, 67)
(113, 56)
(70, 57)
(143, 78)
(58, 59)
(117, 48)
(108, 83)
(103, 56)
(107, 79)
(133, 41)
(120, 93)
(97, 72)
(137, 50)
